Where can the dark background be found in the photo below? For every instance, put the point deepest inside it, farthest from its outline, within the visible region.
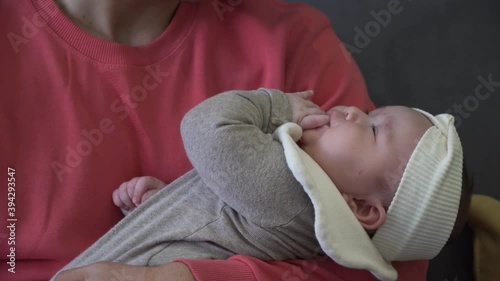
(430, 55)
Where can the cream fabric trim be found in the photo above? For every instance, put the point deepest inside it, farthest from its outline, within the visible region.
(338, 231)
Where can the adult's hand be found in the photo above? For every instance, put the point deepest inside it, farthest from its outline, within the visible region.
(106, 271)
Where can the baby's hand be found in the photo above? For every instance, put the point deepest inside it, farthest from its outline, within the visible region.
(135, 191)
(306, 113)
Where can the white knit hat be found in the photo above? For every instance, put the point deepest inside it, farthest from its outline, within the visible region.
(425, 206)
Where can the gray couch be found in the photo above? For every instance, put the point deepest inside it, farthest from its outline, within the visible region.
(437, 55)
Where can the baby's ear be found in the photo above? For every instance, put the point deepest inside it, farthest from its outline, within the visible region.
(369, 212)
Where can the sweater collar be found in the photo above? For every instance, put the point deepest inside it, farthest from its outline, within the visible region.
(99, 50)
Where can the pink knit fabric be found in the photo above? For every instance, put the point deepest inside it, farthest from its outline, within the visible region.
(80, 115)
(242, 268)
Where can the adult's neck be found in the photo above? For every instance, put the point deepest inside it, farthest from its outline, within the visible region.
(130, 22)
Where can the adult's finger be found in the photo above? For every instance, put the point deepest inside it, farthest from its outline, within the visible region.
(76, 274)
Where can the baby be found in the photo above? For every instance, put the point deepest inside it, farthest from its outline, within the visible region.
(363, 153)
(242, 198)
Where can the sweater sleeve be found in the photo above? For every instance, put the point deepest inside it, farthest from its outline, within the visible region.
(243, 268)
(229, 142)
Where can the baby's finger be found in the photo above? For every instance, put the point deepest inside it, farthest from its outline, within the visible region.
(116, 199)
(131, 185)
(308, 111)
(144, 184)
(148, 194)
(127, 201)
(305, 94)
(315, 111)
(141, 188)
(314, 121)
(311, 104)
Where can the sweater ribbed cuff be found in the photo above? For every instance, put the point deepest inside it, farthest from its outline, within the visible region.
(219, 270)
(281, 111)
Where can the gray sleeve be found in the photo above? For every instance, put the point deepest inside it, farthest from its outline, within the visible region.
(228, 140)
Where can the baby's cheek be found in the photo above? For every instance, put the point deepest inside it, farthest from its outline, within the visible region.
(313, 136)
(307, 138)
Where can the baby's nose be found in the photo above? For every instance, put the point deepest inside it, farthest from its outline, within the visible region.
(354, 114)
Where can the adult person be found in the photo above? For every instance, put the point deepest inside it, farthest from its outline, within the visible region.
(93, 92)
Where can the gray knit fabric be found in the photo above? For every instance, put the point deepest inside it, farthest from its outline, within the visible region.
(240, 198)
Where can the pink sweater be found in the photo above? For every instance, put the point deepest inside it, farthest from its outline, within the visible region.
(242, 268)
(80, 115)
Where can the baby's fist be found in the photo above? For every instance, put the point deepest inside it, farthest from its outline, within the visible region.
(135, 191)
(305, 113)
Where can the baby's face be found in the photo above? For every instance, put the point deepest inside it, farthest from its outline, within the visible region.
(364, 154)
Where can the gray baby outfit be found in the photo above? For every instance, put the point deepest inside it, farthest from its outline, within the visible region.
(240, 198)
